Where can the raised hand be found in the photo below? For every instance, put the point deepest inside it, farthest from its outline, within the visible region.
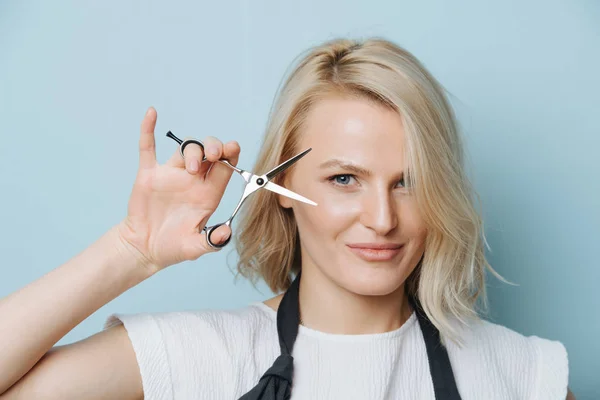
(170, 204)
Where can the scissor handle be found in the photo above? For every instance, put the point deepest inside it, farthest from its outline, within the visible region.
(185, 142)
(246, 175)
(209, 230)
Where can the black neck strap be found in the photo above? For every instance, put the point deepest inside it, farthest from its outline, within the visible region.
(444, 385)
(276, 383)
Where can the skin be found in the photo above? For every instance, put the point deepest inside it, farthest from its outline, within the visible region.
(168, 204)
(361, 296)
(354, 206)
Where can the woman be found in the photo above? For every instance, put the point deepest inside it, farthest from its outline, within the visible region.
(386, 267)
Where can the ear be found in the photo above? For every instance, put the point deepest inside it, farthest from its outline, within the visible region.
(284, 201)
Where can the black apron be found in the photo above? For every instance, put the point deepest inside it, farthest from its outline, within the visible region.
(276, 383)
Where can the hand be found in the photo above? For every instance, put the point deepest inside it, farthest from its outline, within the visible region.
(171, 203)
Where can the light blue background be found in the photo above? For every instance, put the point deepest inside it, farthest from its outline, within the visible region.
(76, 78)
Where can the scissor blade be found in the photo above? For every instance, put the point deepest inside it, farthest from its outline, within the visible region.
(286, 164)
(273, 187)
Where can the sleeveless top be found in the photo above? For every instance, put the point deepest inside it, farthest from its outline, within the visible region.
(222, 354)
(276, 382)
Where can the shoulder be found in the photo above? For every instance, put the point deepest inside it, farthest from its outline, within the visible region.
(527, 366)
(174, 348)
(197, 326)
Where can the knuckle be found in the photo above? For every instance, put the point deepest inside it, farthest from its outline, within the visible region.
(232, 150)
(214, 147)
(192, 150)
(213, 140)
(234, 145)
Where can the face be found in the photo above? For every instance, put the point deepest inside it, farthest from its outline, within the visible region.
(355, 175)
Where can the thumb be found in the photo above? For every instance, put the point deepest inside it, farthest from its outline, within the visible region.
(198, 244)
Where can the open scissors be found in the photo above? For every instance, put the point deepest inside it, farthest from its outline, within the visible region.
(253, 183)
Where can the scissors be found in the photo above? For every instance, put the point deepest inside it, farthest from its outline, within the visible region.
(253, 183)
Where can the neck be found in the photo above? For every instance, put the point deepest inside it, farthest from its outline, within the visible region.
(327, 307)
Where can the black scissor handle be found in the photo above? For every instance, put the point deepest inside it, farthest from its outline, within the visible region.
(185, 142)
(210, 230)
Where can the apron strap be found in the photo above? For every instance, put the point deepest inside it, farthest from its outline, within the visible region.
(444, 385)
(276, 383)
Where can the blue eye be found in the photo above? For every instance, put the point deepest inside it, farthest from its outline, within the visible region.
(345, 180)
(341, 180)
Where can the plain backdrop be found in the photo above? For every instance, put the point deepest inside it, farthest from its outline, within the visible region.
(524, 76)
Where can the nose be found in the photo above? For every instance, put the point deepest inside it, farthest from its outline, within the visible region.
(379, 212)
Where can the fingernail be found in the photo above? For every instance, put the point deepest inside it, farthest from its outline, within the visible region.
(212, 150)
(193, 166)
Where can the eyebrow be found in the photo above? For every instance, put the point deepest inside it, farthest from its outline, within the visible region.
(348, 166)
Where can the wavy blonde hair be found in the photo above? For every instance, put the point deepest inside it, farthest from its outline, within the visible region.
(450, 277)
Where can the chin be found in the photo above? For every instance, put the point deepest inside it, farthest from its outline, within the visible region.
(369, 280)
(362, 275)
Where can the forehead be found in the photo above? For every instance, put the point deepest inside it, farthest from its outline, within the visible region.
(356, 129)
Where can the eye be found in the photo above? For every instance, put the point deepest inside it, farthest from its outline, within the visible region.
(341, 180)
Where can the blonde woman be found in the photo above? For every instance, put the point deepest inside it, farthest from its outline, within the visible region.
(380, 283)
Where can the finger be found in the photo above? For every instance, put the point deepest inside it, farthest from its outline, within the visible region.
(198, 244)
(191, 161)
(147, 144)
(176, 160)
(219, 174)
(193, 155)
(214, 148)
(219, 235)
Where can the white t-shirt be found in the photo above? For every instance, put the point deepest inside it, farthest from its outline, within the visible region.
(222, 354)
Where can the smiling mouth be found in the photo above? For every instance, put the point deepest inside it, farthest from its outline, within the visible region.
(376, 252)
(375, 246)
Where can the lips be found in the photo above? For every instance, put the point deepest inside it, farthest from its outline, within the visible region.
(375, 246)
(376, 251)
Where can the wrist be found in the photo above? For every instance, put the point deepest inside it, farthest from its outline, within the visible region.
(124, 243)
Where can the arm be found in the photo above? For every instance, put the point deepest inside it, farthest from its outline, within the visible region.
(40, 314)
(102, 366)
(167, 207)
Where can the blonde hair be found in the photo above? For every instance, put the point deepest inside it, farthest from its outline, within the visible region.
(449, 279)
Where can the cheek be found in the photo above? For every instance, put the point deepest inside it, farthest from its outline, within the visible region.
(412, 222)
(330, 214)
